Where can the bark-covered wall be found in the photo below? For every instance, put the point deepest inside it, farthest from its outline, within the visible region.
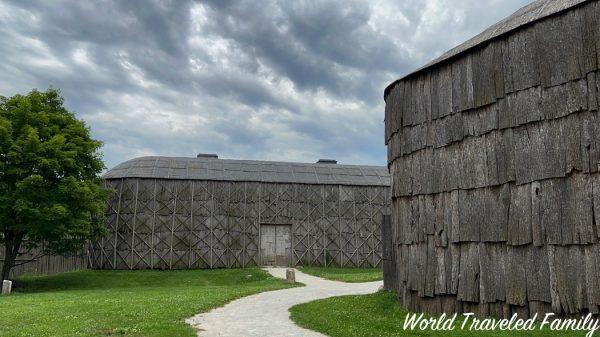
(169, 224)
(495, 158)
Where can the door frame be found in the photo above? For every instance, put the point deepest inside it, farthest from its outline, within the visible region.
(260, 224)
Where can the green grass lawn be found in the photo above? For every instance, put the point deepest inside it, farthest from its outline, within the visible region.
(379, 315)
(123, 303)
(345, 274)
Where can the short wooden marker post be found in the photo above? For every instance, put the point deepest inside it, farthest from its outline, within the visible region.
(290, 275)
(6, 287)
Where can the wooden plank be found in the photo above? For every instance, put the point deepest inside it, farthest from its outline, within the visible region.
(505, 119)
(418, 234)
(554, 101)
(414, 276)
(497, 204)
(538, 274)
(595, 178)
(441, 88)
(524, 106)
(592, 274)
(473, 163)
(406, 102)
(437, 169)
(452, 215)
(568, 279)
(519, 220)
(505, 156)
(430, 214)
(551, 193)
(426, 170)
(592, 90)
(507, 68)
(472, 214)
(591, 36)
(454, 258)
(577, 214)
(443, 272)
(577, 96)
(491, 164)
(484, 75)
(516, 275)
(415, 172)
(523, 59)
(454, 166)
(492, 271)
(462, 84)
(421, 256)
(425, 101)
(403, 173)
(563, 64)
(468, 285)
(405, 221)
(553, 155)
(480, 121)
(441, 234)
(590, 142)
(539, 151)
(430, 268)
(537, 231)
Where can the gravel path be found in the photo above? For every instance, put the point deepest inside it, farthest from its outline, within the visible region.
(266, 314)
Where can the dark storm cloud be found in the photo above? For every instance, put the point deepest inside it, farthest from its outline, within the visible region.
(280, 80)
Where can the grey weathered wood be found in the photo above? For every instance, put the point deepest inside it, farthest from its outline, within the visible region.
(494, 227)
(519, 218)
(290, 275)
(500, 191)
(564, 62)
(493, 272)
(462, 84)
(592, 91)
(516, 275)
(169, 224)
(441, 92)
(468, 285)
(538, 274)
(52, 264)
(592, 275)
(472, 214)
(522, 60)
(487, 71)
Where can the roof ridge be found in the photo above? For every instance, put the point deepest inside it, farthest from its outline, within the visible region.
(537, 11)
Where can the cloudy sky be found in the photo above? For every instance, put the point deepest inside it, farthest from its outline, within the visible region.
(273, 80)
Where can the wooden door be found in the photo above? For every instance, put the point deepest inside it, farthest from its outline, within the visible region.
(275, 245)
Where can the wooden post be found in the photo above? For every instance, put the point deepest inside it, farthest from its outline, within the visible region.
(6, 287)
(290, 275)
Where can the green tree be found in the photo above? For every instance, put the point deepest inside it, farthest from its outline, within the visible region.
(50, 188)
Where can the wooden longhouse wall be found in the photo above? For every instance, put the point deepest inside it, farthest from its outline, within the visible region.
(209, 214)
(33, 262)
(494, 153)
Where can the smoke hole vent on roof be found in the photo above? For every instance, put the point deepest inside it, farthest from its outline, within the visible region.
(326, 161)
(207, 155)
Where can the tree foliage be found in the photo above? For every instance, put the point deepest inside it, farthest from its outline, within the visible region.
(50, 188)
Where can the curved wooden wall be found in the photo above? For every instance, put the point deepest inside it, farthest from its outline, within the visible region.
(495, 160)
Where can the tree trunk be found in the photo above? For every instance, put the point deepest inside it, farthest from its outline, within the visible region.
(11, 251)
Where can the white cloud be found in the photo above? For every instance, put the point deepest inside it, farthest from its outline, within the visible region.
(265, 80)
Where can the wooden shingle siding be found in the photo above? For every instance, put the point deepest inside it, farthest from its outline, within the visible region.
(496, 188)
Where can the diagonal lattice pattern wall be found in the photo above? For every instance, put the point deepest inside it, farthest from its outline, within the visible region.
(175, 224)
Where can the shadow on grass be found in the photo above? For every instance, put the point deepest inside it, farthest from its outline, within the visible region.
(111, 279)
